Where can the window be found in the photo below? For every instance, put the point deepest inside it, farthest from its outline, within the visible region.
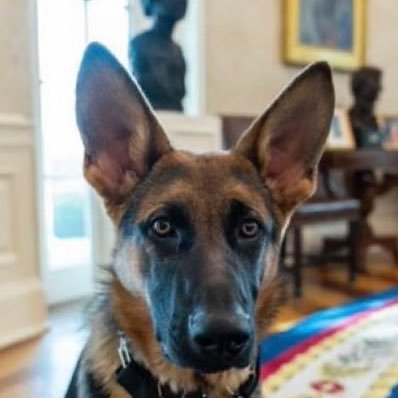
(64, 29)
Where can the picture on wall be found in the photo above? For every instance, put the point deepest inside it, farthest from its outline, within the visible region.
(340, 134)
(330, 30)
(390, 127)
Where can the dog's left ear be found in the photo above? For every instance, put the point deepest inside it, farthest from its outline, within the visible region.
(286, 142)
(121, 135)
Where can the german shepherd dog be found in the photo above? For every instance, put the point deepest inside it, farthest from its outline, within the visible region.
(194, 280)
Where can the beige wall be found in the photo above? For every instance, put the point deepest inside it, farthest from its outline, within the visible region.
(243, 55)
(23, 312)
(15, 70)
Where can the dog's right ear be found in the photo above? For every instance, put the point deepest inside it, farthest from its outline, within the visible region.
(121, 135)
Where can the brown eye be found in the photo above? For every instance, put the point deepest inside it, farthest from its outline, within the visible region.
(162, 227)
(249, 229)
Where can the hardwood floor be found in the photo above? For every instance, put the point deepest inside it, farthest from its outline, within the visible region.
(41, 368)
(328, 286)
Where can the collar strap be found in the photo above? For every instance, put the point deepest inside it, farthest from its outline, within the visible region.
(140, 383)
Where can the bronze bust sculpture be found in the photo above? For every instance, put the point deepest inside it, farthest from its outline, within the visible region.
(156, 60)
(366, 86)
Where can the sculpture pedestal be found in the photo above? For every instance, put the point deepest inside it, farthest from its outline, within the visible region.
(195, 134)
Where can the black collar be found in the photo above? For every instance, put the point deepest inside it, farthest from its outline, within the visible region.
(140, 383)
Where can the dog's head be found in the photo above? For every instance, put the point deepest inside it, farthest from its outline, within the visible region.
(198, 235)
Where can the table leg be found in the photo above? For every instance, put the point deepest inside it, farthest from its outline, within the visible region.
(366, 189)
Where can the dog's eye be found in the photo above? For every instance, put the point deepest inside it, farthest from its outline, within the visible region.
(249, 229)
(162, 228)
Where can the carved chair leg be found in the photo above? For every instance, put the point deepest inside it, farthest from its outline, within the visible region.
(354, 250)
(297, 266)
(395, 253)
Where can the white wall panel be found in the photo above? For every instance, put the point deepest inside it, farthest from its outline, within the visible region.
(20, 285)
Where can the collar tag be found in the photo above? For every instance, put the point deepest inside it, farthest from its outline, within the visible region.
(123, 351)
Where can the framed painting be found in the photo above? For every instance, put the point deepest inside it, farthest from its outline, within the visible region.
(340, 133)
(329, 30)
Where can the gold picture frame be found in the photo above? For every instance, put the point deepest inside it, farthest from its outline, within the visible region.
(311, 34)
(340, 133)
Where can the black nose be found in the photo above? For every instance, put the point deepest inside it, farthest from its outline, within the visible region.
(222, 337)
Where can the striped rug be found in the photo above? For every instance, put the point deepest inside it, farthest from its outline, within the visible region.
(344, 352)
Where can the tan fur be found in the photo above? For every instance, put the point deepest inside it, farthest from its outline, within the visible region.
(289, 198)
(114, 204)
(205, 184)
(126, 264)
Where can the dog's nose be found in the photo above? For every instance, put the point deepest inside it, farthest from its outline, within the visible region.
(220, 337)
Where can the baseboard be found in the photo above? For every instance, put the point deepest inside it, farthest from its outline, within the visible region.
(23, 312)
(23, 335)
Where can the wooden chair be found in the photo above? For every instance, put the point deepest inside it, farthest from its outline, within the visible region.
(326, 207)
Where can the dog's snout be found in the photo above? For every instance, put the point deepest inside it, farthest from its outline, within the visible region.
(222, 337)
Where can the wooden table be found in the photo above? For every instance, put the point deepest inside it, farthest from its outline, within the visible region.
(360, 166)
(358, 163)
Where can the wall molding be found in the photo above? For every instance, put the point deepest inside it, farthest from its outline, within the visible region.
(15, 121)
(23, 334)
(23, 309)
(195, 133)
(29, 311)
(16, 130)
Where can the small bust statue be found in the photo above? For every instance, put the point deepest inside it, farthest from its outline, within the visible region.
(157, 62)
(366, 86)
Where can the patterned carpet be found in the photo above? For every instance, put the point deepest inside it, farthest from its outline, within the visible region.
(345, 352)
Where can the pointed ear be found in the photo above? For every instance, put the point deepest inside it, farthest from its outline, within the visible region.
(122, 137)
(286, 142)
